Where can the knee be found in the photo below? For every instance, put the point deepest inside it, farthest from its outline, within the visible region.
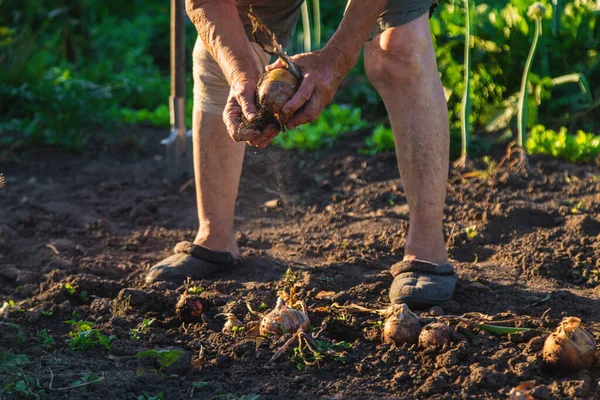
(399, 57)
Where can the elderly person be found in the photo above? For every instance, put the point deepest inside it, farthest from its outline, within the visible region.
(399, 62)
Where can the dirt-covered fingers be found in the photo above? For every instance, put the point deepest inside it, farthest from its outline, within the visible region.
(265, 137)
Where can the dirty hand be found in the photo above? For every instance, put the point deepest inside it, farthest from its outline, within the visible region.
(322, 71)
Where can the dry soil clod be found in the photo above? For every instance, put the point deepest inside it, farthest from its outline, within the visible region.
(570, 347)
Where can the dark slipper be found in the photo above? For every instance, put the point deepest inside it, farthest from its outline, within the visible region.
(421, 284)
(189, 261)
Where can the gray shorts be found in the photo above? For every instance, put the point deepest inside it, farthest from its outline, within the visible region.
(211, 89)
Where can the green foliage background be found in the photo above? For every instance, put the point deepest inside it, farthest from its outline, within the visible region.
(69, 67)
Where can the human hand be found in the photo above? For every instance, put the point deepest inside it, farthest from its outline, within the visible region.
(323, 71)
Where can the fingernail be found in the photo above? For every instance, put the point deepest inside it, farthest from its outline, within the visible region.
(251, 116)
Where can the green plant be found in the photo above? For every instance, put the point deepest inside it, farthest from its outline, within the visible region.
(580, 147)
(70, 289)
(465, 115)
(196, 290)
(19, 331)
(141, 330)
(146, 396)
(86, 380)
(45, 339)
(14, 380)
(313, 353)
(382, 139)
(333, 122)
(535, 12)
(165, 357)
(84, 336)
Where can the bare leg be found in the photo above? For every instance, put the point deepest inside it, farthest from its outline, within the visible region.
(401, 65)
(217, 168)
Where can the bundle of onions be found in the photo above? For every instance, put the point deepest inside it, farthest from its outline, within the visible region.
(570, 347)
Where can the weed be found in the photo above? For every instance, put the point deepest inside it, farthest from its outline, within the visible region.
(87, 380)
(45, 339)
(195, 290)
(471, 231)
(141, 330)
(84, 336)
(315, 351)
(19, 334)
(146, 396)
(14, 381)
(69, 289)
(576, 207)
(377, 324)
(262, 307)
(47, 313)
(165, 357)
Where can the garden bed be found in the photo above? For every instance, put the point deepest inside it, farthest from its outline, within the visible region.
(79, 232)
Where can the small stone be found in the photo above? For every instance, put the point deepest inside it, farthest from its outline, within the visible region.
(436, 311)
(272, 203)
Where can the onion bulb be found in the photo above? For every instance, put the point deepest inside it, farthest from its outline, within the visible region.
(190, 307)
(283, 319)
(401, 326)
(232, 323)
(436, 334)
(275, 88)
(570, 347)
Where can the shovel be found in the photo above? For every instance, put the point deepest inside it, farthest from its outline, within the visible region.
(179, 143)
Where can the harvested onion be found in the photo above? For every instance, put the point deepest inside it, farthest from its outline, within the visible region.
(570, 347)
(283, 319)
(401, 326)
(436, 334)
(190, 307)
(231, 324)
(275, 88)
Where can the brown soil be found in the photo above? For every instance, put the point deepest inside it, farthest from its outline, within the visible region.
(99, 220)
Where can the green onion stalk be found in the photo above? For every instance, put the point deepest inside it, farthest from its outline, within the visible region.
(536, 12)
(316, 8)
(306, 26)
(466, 99)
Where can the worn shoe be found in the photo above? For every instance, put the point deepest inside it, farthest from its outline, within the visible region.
(189, 261)
(422, 284)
